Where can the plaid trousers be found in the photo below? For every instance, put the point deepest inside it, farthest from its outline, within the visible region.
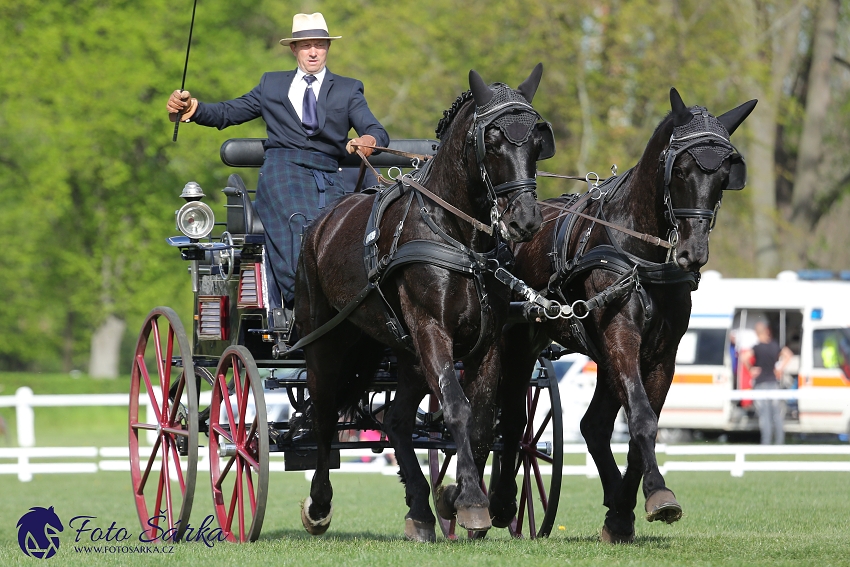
(294, 187)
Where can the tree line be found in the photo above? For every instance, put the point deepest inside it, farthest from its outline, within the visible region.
(89, 176)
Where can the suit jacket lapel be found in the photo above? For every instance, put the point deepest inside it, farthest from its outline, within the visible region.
(284, 95)
(327, 84)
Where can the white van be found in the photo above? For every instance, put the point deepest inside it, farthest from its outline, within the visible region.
(810, 317)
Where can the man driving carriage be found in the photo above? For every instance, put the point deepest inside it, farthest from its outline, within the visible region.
(308, 113)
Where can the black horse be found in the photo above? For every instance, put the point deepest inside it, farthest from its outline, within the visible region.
(427, 281)
(625, 299)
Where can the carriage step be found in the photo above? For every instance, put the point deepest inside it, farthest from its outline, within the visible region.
(305, 459)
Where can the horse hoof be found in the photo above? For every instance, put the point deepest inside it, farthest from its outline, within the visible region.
(444, 497)
(502, 516)
(475, 519)
(424, 532)
(662, 505)
(610, 537)
(315, 527)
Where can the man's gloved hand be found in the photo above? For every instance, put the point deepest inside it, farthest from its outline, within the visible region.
(183, 103)
(364, 143)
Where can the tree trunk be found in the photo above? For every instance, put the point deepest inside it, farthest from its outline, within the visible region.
(809, 156)
(773, 43)
(106, 347)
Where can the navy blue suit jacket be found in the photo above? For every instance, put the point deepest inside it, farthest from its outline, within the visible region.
(341, 106)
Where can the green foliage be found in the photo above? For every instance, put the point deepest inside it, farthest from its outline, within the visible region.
(89, 176)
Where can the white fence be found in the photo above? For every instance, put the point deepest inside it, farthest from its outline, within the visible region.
(93, 459)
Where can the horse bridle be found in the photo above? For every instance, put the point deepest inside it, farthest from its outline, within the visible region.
(708, 136)
(518, 187)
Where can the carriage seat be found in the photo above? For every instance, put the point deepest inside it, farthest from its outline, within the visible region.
(248, 152)
(241, 217)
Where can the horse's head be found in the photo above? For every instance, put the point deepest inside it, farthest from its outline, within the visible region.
(698, 164)
(505, 139)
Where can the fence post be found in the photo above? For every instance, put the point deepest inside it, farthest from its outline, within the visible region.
(738, 468)
(25, 419)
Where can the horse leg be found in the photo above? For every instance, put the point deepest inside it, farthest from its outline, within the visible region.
(481, 393)
(419, 523)
(521, 347)
(661, 503)
(597, 425)
(642, 413)
(317, 510)
(465, 497)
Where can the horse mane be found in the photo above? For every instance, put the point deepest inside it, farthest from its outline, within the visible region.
(449, 115)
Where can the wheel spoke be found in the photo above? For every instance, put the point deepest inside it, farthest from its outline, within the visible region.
(541, 489)
(149, 466)
(520, 514)
(225, 397)
(526, 481)
(166, 480)
(152, 398)
(224, 472)
(243, 402)
(249, 458)
(179, 431)
(542, 429)
(241, 500)
(179, 470)
(175, 404)
(217, 428)
(252, 499)
(447, 459)
(230, 511)
(157, 342)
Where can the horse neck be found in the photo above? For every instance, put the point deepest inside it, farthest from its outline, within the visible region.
(639, 203)
(453, 176)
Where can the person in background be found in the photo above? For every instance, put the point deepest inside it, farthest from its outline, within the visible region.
(766, 362)
(308, 113)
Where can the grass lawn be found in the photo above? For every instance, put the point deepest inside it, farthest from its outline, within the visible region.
(761, 518)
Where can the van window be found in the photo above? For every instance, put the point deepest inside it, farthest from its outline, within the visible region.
(702, 346)
(830, 347)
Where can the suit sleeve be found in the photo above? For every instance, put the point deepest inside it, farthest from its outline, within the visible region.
(231, 112)
(362, 119)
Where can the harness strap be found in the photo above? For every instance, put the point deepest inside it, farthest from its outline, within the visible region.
(336, 320)
(655, 240)
(408, 180)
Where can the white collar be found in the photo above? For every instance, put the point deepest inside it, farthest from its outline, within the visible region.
(320, 76)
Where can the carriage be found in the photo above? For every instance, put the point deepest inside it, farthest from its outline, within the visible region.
(227, 391)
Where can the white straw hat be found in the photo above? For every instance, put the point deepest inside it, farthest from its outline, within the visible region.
(308, 26)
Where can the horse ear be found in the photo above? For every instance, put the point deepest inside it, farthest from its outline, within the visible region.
(529, 86)
(732, 119)
(480, 91)
(681, 114)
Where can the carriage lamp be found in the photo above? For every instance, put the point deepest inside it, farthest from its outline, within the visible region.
(195, 219)
(192, 192)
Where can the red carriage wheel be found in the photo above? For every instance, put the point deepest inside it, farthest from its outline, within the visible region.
(164, 462)
(239, 446)
(541, 447)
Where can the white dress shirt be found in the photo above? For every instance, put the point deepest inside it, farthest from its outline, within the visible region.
(299, 85)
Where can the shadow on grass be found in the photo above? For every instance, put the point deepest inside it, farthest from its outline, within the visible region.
(649, 541)
(339, 536)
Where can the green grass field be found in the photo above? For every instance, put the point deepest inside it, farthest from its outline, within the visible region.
(761, 518)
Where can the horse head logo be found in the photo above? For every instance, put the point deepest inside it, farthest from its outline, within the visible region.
(38, 532)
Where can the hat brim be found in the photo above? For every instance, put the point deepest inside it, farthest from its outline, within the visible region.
(288, 40)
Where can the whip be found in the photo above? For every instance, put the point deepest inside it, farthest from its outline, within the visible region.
(185, 67)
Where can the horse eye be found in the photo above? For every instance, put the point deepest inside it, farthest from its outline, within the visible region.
(679, 172)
